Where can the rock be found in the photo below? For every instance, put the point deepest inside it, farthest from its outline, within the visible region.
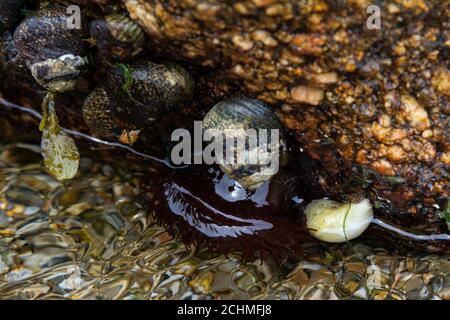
(371, 107)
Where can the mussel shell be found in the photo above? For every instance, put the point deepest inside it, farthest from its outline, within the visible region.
(142, 92)
(10, 14)
(46, 35)
(97, 115)
(117, 37)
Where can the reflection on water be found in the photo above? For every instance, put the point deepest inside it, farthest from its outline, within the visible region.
(89, 239)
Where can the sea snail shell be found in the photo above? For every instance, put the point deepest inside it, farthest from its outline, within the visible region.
(143, 91)
(54, 53)
(332, 221)
(245, 113)
(117, 37)
(97, 115)
(133, 97)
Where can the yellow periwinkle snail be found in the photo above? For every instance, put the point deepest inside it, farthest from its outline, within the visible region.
(332, 221)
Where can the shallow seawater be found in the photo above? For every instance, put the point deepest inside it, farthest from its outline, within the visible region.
(90, 239)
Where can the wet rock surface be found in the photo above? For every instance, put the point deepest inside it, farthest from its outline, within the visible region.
(368, 105)
(355, 97)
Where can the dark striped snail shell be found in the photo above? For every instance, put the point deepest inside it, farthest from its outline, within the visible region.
(10, 14)
(97, 115)
(54, 52)
(117, 37)
(242, 114)
(142, 92)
